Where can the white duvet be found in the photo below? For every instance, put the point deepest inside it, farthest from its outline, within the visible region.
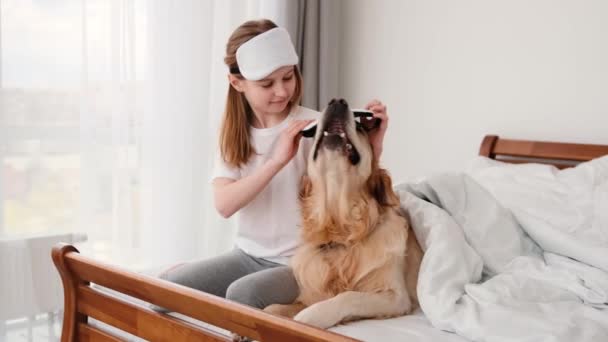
(514, 252)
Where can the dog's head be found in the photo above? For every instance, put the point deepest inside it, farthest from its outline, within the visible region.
(340, 147)
(344, 182)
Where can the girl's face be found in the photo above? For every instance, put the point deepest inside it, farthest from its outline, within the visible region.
(271, 95)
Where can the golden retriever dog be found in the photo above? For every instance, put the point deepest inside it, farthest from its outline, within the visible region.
(358, 258)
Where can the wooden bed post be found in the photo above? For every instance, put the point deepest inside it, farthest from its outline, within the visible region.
(487, 146)
(71, 316)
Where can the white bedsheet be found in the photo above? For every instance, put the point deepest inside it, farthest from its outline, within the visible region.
(414, 328)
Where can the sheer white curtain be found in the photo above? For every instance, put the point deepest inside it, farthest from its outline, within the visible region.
(187, 88)
(109, 112)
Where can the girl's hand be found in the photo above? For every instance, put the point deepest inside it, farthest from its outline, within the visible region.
(288, 142)
(376, 136)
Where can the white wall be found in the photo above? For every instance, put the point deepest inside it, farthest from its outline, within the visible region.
(452, 71)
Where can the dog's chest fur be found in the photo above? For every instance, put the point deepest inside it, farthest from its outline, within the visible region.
(327, 269)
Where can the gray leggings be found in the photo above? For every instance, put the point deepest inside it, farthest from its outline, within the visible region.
(240, 277)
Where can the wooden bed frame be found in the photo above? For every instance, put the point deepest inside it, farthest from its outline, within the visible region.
(83, 300)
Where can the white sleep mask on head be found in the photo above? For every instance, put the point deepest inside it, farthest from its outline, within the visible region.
(263, 54)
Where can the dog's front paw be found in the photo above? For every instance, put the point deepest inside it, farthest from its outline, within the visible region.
(318, 316)
(276, 309)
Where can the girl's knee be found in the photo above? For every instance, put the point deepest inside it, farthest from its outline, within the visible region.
(166, 274)
(243, 292)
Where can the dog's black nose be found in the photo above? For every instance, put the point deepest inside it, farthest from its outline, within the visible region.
(338, 101)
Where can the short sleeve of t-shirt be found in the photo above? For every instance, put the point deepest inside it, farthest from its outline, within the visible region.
(222, 170)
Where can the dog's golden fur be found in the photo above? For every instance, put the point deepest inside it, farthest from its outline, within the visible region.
(359, 257)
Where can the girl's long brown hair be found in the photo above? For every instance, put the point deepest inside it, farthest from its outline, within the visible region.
(235, 143)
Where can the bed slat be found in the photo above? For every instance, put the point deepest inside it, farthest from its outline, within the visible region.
(162, 294)
(87, 333)
(138, 321)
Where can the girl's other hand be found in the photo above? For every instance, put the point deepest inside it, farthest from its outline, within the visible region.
(288, 142)
(376, 137)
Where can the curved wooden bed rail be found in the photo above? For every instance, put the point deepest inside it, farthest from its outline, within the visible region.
(562, 155)
(83, 301)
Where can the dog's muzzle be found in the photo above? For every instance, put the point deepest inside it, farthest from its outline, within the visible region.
(336, 119)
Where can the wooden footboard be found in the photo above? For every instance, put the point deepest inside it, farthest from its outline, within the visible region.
(83, 301)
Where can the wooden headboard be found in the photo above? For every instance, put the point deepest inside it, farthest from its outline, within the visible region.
(562, 155)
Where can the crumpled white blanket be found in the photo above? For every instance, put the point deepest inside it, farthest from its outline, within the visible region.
(514, 252)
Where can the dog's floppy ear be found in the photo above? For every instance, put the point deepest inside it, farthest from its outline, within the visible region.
(381, 188)
(305, 186)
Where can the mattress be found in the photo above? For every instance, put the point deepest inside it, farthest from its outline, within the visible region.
(415, 327)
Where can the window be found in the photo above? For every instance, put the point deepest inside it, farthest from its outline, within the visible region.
(70, 76)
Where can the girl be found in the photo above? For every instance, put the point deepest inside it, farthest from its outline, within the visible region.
(258, 169)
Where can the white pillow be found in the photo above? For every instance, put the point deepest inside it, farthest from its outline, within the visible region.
(565, 212)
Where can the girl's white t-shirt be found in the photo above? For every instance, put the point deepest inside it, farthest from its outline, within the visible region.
(269, 226)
